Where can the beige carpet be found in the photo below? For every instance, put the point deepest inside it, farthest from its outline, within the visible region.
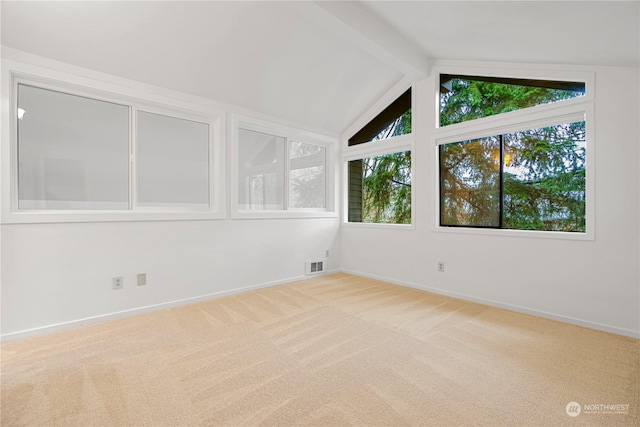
(336, 350)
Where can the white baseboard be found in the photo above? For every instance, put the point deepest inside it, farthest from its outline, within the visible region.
(141, 310)
(146, 309)
(560, 318)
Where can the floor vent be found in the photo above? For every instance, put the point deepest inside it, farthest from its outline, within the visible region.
(314, 267)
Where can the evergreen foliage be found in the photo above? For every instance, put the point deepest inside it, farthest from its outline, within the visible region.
(529, 180)
(543, 170)
(386, 183)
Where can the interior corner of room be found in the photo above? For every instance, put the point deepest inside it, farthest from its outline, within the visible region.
(283, 112)
(324, 73)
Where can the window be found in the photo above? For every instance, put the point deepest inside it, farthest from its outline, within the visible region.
(261, 171)
(527, 180)
(173, 161)
(85, 155)
(523, 171)
(73, 152)
(393, 121)
(464, 98)
(307, 180)
(380, 189)
(280, 172)
(378, 173)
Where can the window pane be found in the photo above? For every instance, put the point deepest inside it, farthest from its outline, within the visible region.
(261, 171)
(544, 178)
(464, 98)
(393, 121)
(306, 175)
(73, 152)
(380, 189)
(172, 161)
(470, 183)
(399, 126)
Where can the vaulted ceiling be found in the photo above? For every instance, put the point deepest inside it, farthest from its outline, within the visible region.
(320, 64)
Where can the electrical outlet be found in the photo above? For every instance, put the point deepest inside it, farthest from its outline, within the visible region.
(142, 279)
(326, 253)
(118, 282)
(441, 267)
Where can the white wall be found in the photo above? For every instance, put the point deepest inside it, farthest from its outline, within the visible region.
(58, 275)
(593, 283)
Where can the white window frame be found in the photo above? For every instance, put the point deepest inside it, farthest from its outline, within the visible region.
(289, 134)
(140, 101)
(213, 194)
(566, 111)
(380, 147)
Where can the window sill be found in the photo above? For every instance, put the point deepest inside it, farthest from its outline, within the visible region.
(292, 214)
(558, 235)
(35, 217)
(380, 226)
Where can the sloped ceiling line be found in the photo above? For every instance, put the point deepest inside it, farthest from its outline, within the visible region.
(369, 33)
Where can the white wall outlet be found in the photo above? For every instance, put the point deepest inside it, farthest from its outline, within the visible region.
(118, 282)
(142, 279)
(326, 253)
(441, 266)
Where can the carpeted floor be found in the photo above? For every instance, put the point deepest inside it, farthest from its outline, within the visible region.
(336, 350)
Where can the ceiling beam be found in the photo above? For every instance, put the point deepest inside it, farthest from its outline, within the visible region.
(369, 33)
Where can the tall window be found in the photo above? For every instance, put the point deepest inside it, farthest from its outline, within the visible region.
(280, 173)
(531, 175)
(379, 177)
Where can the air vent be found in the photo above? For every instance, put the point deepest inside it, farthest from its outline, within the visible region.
(314, 267)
